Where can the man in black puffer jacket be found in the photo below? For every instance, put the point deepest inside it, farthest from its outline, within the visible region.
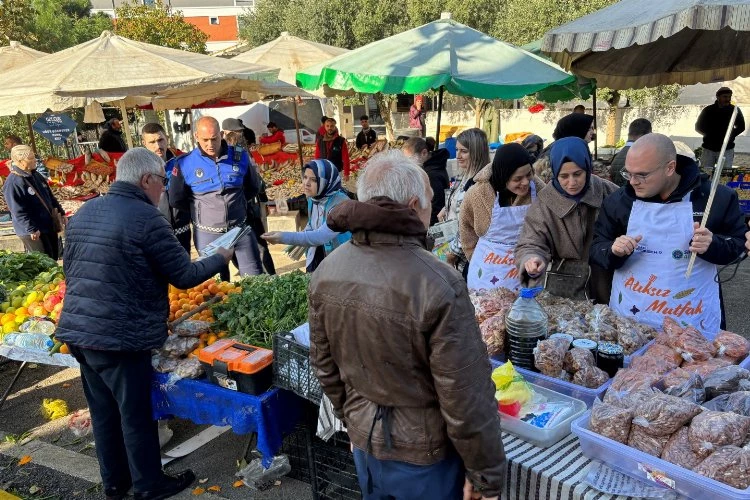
(120, 256)
(647, 230)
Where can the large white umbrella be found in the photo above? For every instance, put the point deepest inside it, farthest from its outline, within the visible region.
(16, 55)
(645, 43)
(290, 54)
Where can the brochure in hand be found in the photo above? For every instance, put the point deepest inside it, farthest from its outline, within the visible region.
(227, 240)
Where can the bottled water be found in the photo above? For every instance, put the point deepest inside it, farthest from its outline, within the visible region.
(38, 341)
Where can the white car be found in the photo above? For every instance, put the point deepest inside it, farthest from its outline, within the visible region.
(305, 135)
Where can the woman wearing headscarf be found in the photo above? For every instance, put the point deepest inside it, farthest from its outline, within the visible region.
(321, 184)
(492, 217)
(36, 213)
(554, 244)
(534, 145)
(472, 154)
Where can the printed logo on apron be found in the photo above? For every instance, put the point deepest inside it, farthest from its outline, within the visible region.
(493, 263)
(651, 284)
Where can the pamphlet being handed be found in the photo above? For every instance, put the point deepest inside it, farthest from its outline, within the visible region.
(443, 231)
(227, 240)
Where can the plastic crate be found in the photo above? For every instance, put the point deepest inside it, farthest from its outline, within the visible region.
(298, 447)
(647, 467)
(292, 369)
(576, 391)
(335, 472)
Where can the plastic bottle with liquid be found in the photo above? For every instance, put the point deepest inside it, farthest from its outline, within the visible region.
(526, 324)
(38, 341)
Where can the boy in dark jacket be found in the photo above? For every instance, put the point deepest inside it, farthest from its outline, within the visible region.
(647, 230)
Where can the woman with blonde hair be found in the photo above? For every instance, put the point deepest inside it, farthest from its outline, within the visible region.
(472, 154)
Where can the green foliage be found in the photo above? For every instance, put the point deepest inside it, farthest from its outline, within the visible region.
(262, 24)
(16, 22)
(158, 24)
(266, 306)
(21, 267)
(62, 24)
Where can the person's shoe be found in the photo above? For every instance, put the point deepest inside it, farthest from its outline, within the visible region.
(116, 493)
(169, 486)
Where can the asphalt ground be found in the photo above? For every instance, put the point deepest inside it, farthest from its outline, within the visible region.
(64, 467)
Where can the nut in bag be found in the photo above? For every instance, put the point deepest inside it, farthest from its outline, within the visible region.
(611, 421)
(711, 430)
(664, 414)
(549, 356)
(729, 465)
(678, 450)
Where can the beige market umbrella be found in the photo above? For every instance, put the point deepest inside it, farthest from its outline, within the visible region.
(290, 54)
(111, 68)
(645, 43)
(16, 55)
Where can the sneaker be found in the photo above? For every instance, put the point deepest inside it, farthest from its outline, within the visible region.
(169, 486)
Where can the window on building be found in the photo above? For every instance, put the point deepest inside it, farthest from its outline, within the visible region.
(213, 20)
(244, 3)
(150, 3)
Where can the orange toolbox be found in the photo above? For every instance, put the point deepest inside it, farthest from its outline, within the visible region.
(239, 367)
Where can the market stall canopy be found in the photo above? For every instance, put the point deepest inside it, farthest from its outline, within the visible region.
(646, 43)
(442, 53)
(581, 88)
(290, 54)
(111, 68)
(16, 55)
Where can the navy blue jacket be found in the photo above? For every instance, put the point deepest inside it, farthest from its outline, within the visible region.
(120, 256)
(28, 213)
(726, 221)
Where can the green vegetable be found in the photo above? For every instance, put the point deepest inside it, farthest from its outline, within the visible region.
(21, 267)
(266, 306)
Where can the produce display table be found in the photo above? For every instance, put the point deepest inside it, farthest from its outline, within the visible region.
(270, 415)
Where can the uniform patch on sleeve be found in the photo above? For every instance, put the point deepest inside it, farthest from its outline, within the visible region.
(175, 170)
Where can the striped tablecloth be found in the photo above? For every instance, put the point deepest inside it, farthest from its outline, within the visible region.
(554, 473)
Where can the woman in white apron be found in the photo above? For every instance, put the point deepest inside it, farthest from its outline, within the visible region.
(492, 217)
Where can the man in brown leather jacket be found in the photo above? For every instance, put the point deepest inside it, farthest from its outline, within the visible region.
(397, 350)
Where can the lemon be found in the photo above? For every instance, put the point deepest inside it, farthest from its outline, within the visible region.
(4, 306)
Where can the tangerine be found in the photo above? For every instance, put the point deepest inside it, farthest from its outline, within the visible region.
(64, 349)
(211, 339)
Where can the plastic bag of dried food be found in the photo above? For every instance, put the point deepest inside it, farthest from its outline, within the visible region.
(189, 368)
(671, 328)
(611, 421)
(492, 303)
(724, 380)
(640, 440)
(675, 378)
(176, 346)
(731, 345)
(629, 399)
(729, 464)
(691, 389)
(739, 403)
(711, 430)
(601, 320)
(678, 450)
(591, 377)
(577, 358)
(717, 404)
(192, 328)
(493, 334)
(162, 364)
(629, 380)
(549, 355)
(663, 414)
(704, 368)
(628, 335)
(664, 352)
(572, 327)
(651, 364)
(693, 346)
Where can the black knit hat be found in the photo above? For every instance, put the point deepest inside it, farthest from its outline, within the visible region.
(723, 90)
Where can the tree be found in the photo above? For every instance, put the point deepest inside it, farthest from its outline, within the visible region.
(62, 24)
(16, 22)
(261, 25)
(158, 24)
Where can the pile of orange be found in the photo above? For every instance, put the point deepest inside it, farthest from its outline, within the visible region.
(184, 301)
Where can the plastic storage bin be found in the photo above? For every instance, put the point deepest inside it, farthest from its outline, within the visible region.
(646, 467)
(239, 367)
(544, 438)
(745, 363)
(292, 370)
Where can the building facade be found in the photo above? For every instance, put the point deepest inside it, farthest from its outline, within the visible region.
(217, 18)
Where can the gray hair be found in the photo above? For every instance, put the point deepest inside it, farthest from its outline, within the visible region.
(394, 175)
(475, 140)
(136, 163)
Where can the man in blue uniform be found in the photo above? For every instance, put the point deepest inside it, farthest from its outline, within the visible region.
(213, 182)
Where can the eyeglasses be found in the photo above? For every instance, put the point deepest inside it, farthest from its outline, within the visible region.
(164, 180)
(641, 177)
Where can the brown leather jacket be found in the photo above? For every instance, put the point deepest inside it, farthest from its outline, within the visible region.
(392, 327)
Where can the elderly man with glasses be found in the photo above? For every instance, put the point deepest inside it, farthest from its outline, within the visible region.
(647, 230)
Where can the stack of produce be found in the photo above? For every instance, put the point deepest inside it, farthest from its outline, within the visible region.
(283, 181)
(685, 401)
(183, 301)
(265, 306)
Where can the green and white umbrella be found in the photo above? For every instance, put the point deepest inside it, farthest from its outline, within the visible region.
(442, 54)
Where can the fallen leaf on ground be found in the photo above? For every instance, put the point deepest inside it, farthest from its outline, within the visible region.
(277, 483)
(34, 490)
(214, 488)
(198, 491)
(66, 385)
(238, 484)
(203, 481)
(24, 460)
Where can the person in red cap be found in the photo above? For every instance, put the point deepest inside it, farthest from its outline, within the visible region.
(712, 125)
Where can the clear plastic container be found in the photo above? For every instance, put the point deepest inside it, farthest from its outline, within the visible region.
(38, 341)
(647, 467)
(525, 324)
(544, 438)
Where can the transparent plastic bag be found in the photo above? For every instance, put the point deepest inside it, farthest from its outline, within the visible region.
(611, 421)
(629, 399)
(192, 328)
(671, 328)
(731, 345)
(549, 356)
(629, 335)
(664, 414)
(651, 364)
(162, 364)
(601, 320)
(629, 380)
(724, 381)
(691, 390)
(730, 465)
(678, 450)
(693, 346)
(664, 352)
(590, 377)
(176, 346)
(704, 368)
(640, 440)
(79, 423)
(711, 430)
(493, 334)
(675, 377)
(577, 358)
(257, 477)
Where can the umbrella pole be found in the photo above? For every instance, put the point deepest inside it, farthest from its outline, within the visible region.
(714, 185)
(299, 139)
(31, 133)
(192, 132)
(596, 144)
(440, 110)
(126, 122)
